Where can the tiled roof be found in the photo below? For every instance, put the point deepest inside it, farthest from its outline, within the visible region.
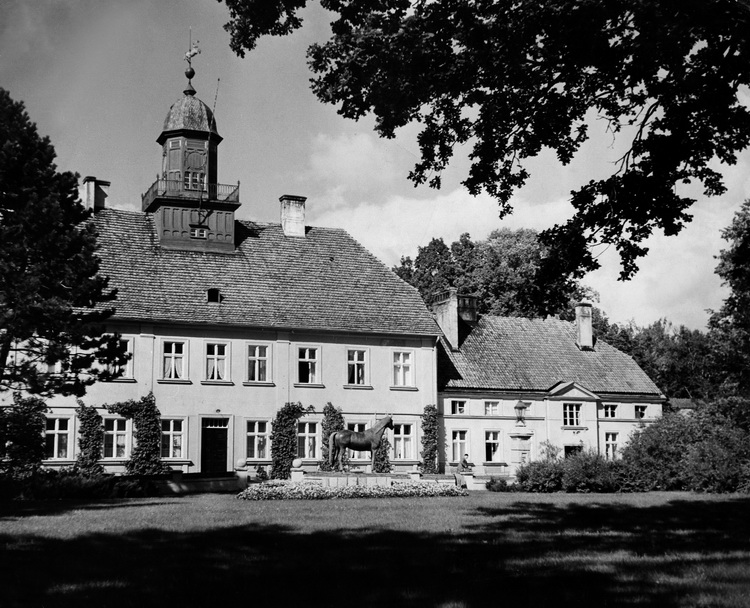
(324, 281)
(510, 353)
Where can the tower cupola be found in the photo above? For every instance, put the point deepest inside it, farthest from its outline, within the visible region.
(192, 210)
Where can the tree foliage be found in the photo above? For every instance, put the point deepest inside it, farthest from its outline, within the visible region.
(51, 295)
(509, 79)
(382, 456)
(145, 458)
(90, 440)
(333, 420)
(430, 439)
(22, 435)
(284, 438)
(502, 271)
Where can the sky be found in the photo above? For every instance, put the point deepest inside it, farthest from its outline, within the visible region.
(99, 76)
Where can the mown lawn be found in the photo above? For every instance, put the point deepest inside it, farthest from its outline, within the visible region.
(486, 550)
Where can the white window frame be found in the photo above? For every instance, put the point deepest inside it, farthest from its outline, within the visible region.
(403, 441)
(403, 373)
(115, 433)
(493, 437)
(572, 414)
(491, 408)
(459, 445)
(171, 433)
(255, 436)
(611, 440)
(56, 433)
(217, 358)
(609, 410)
(317, 362)
(252, 358)
(183, 357)
(358, 427)
(640, 411)
(458, 407)
(307, 435)
(127, 368)
(362, 364)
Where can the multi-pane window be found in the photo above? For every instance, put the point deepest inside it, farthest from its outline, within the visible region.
(572, 414)
(610, 410)
(307, 366)
(307, 440)
(403, 373)
(491, 408)
(458, 407)
(216, 361)
(610, 446)
(358, 427)
(115, 438)
(194, 180)
(125, 370)
(492, 446)
(640, 411)
(355, 367)
(458, 445)
(171, 438)
(257, 439)
(56, 438)
(174, 367)
(402, 441)
(257, 363)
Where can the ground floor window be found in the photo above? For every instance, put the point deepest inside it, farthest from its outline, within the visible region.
(492, 446)
(610, 446)
(56, 438)
(458, 445)
(171, 438)
(115, 438)
(358, 427)
(402, 441)
(573, 450)
(257, 439)
(307, 440)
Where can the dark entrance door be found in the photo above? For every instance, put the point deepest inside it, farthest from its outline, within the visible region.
(214, 445)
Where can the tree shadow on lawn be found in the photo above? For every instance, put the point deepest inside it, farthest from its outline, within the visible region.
(521, 554)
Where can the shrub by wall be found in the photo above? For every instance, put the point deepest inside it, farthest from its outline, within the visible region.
(90, 440)
(540, 476)
(430, 430)
(333, 421)
(22, 428)
(284, 438)
(382, 458)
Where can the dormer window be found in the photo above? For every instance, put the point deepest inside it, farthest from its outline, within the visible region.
(213, 295)
(198, 232)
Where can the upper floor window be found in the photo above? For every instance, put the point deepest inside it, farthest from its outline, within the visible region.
(174, 360)
(56, 438)
(216, 361)
(356, 362)
(610, 410)
(640, 411)
(171, 438)
(458, 407)
(257, 363)
(125, 370)
(491, 408)
(199, 232)
(402, 441)
(307, 365)
(115, 438)
(572, 414)
(403, 372)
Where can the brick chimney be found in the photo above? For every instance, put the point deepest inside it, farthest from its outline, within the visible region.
(449, 308)
(94, 192)
(584, 329)
(293, 215)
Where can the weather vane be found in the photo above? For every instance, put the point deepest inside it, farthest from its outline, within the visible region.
(192, 52)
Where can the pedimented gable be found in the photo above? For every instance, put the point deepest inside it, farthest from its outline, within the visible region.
(571, 390)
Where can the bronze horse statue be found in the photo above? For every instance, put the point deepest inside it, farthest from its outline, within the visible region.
(360, 442)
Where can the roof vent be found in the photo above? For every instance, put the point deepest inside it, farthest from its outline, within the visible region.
(214, 295)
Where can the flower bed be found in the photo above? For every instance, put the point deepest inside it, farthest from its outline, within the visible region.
(287, 490)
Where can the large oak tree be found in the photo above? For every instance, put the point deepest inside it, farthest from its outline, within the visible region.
(510, 78)
(53, 302)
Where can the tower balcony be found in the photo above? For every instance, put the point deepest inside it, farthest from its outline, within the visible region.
(226, 195)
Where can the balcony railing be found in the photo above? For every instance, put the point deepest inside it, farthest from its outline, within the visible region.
(224, 193)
